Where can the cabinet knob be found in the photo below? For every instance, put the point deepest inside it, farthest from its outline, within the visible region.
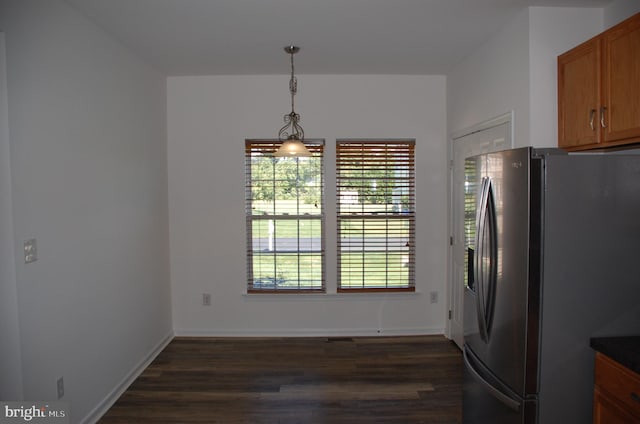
(592, 114)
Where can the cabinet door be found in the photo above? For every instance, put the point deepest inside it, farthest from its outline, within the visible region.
(606, 412)
(579, 95)
(621, 81)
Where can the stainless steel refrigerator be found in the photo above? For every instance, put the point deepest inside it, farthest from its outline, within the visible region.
(553, 247)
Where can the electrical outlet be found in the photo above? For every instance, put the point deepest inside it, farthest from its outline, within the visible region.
(434, 297)
(30, 251)
(60, 388)
(206, 299)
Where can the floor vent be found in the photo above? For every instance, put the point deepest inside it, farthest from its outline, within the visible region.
(339, 339)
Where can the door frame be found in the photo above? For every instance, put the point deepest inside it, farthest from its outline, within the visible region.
(507, 117)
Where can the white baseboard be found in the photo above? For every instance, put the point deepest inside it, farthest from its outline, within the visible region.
(111, 398)
(289, 332)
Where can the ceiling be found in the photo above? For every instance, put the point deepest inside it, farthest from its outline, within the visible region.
(229, 37)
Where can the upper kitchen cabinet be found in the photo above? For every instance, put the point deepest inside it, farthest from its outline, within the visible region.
(599, 90)
(579, 95)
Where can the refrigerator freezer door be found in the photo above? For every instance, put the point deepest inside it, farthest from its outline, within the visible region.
(487, 400)
(495, 314)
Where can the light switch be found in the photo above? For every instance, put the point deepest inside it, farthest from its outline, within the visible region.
(30, 251)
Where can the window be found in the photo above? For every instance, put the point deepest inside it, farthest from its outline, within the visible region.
(285, 219)
(376, 215)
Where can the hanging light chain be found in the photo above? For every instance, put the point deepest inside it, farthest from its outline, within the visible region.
(293, 82)
(292, 128)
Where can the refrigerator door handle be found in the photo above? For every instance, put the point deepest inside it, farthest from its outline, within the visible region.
(492, 278)
(485, 296)
(503, 398)
(477, 264)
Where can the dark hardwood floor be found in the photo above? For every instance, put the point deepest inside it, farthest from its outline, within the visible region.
(403, 380)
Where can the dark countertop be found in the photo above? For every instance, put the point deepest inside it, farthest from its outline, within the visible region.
(624, 350)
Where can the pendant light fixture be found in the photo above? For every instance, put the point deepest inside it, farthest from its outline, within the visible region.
(291, 134)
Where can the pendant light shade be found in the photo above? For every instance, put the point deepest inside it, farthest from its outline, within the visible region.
(291, 134)
(292, 147)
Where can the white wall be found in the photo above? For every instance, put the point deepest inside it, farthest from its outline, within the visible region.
(619, 10)
(493, 80)
(89, 182)
(10, 364)
(208, 120)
